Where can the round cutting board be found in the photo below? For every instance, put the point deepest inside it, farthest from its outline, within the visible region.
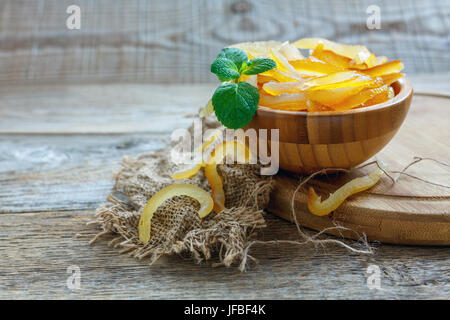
(407, 212)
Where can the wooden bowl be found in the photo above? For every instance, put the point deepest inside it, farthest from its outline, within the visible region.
(310, 141)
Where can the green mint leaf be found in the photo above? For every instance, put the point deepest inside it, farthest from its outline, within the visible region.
(225, 69)
(238, 56)
(235, 104)
(258, 65)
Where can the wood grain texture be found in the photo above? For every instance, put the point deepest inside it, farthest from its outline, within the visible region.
(309, 142)
(409, 212)
(174, 41)
(37, 248)
(99, 109)
(51, 181)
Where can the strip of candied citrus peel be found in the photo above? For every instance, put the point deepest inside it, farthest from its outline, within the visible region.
(207, 109)
(391, 78)
(333, 96)
(194, 168)
(358, 53)
(359, 98)
(342, 62)
(203, 197)
(229, 147)
(380, 98)
(383, 69)
(233, 148)
(321, 208)
(215, 181)
(263, 78)
(290, 52)
(314, 66)
(282, 63)
(281, 76)
(283, 101)
(276, 88)
(187, 172)
(314, 106)
(338, 80)
(258, 49)
(331, 58)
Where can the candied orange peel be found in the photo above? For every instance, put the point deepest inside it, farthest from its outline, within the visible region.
(321, 208)
(234, 148)
(174, 190)
(226, 148)
(192, 169)
(335, 76)
(355, 52)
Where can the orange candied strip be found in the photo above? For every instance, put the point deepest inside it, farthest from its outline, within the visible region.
(182, 189)
(358, 53)
(215, 181)
(290, 52)
(338, 80)
(281, 76)
(228, 148)
(391, 78)
(282, 63)
(359, 98)
(285, 101)
(333, 96)
(331, 58)
(321, 208)
(342, 62)
(380, 98)
(313, 106)
(383, 69)
(276, 88)
(264, 78)
(314, 66)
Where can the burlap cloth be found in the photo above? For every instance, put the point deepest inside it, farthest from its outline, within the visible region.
(176, 227)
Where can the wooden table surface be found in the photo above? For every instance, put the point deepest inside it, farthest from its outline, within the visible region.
(59, 147)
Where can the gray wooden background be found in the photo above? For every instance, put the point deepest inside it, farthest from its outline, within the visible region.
(62, 138)
(174, 41)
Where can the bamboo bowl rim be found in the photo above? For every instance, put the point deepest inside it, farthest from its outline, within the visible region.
(405, 91)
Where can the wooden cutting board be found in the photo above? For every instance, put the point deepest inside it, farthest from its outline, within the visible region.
(407, 212)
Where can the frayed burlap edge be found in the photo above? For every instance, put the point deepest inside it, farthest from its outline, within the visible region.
(223, 236)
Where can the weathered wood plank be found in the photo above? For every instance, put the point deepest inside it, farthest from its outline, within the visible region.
(175, 40)
(99, 108)
(58, 153)
(112, 108)
(46, 170)
(41, 173)
(36, 249)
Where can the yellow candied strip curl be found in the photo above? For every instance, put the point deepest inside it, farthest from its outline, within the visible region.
(207, 109)
(322, 208)
(230, 148)
(193, 169)
(358, 53)
(277, 88)
(216, 184)
(187, 172)
(220, 152)
(282, 63)
(203, 197)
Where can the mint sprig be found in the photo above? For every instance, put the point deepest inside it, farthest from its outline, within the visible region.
(235, 102)
(258, 65)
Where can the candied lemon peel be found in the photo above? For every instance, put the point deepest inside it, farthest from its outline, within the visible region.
(335, 76)
(173, 190)
(220, 150)
(192, 169)
(226, 148)
(321, 208)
